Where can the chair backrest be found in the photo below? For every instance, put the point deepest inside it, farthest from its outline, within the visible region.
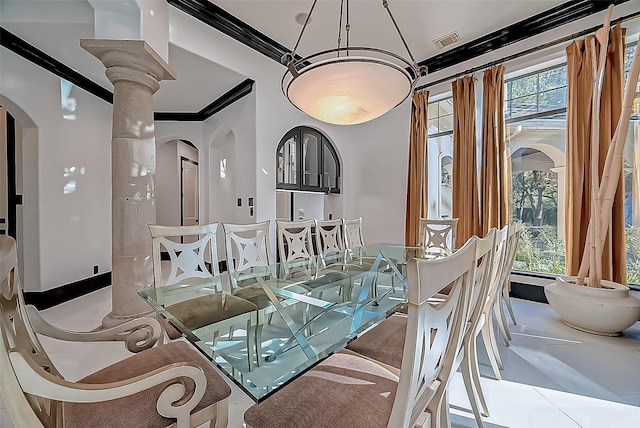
(353, 233)
(188, 260)
(438, 234)
(294, 240)
(485, 273)
(434, 332)
(515, 230)
(329, 237)
(499, 261)
(247, 245)
(17, 335)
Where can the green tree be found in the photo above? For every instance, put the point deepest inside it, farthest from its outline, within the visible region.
(533, 193)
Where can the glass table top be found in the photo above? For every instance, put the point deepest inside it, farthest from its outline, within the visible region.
(293, 314)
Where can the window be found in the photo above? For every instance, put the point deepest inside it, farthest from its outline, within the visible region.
(535, 110)
(535, 116)
(440, 158)
(306, 160)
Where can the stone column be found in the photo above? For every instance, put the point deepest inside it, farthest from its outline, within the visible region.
(135, 71)
(562, 197)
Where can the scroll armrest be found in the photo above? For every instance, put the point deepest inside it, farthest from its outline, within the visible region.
(173, 402)
(138, 334)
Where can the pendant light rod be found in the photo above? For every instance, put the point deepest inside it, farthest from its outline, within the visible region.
(385, 4)
(347, 27)
(306, 21)
(340, 25)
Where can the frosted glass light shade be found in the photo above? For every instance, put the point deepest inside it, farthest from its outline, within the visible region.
(349, 90)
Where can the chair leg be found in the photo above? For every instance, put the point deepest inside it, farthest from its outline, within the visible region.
(259, 343)
(222, 414)
(466, 377)
(494, 344)
(475, 377)
(231, 331)
(445, 420)
(486, 339)
(502, 322)
(251, 334)
(507, 299)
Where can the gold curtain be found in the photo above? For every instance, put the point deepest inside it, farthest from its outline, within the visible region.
(417, 177)
(578, 169)
(465, 181)
(493, 171)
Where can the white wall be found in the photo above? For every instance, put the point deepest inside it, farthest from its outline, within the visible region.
(74, 229)
(311, 204)
(375, 175)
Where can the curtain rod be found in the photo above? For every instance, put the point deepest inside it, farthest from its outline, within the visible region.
(527, 51)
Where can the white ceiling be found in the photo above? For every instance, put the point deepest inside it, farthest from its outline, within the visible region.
(420, 21)
(56, 26)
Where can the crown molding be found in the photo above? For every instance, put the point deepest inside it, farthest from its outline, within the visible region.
(47, 62)
(237, 92)
(529, 27)
(41, 59)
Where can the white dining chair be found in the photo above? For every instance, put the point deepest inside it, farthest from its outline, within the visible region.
(515, 230)
(248, 257)
(385, 343)
(484, 325)
(438, 235)
(167, 385)
(195, 263)
(348, 389)
(353, 238)
(329, 240)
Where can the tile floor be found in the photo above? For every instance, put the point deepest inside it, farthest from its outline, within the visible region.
(554, 376)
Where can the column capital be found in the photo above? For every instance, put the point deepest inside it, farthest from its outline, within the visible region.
(134, 55)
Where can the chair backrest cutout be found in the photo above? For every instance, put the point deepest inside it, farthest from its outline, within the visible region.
(197, 259)
(438, 234)
(353, 233)
(247, 245)
(294, 240)
(329, 237)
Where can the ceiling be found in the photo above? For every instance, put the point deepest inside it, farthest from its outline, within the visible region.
(421, 22)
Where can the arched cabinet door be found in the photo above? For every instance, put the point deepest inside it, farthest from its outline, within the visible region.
(307, 160)
(287, 162)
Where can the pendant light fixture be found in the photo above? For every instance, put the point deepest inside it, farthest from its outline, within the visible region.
(348, 85)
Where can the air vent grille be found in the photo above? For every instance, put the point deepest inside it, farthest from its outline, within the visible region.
(446, 40)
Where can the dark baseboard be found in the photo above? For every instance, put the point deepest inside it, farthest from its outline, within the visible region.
(55, 296)
(534, 293)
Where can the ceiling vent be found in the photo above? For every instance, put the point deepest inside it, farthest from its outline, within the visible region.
(449, 39)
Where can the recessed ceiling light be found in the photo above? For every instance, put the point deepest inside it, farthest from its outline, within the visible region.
(301, 17)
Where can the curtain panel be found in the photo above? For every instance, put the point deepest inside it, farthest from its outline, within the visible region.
(465, 181)
(417, 186)
(494, 180)
(578, 184)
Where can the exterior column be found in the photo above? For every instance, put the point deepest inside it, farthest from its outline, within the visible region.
(135, 71)
(562, 197)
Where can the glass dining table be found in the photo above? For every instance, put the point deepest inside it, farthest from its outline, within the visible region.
(315, 307)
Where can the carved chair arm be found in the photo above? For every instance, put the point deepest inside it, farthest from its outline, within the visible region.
(173, 402)
(138, 334)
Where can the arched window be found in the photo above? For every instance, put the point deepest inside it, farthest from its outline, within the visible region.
(307, 160)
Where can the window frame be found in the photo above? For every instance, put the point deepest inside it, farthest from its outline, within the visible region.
(323, 142)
